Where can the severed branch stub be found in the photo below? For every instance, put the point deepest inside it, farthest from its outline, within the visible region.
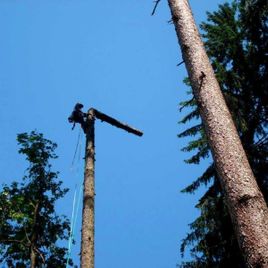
(116, 123)
(180, 63)
(155, 6)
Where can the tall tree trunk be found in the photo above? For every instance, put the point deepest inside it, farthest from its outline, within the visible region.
(245, 202)
(87, 241)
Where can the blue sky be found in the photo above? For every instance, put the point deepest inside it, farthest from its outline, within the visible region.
(113, 56)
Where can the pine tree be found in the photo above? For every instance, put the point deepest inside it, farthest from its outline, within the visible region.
(29, 226)
(236, 42)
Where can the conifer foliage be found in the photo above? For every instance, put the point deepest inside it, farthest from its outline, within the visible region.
(29, 225)
(236, 40)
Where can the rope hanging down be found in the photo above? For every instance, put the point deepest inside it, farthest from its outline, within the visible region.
(76, 201)
(78, 144)
(75, 210)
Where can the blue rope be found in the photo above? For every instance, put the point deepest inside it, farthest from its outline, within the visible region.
(75, 212)
(71, 231)
(76, 202)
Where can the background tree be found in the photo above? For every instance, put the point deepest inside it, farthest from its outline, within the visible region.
(29, 225)
(236, 40)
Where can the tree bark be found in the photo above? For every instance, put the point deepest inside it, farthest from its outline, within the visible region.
(33, 257)
(34, 236)
(245, 202)
(87, 241)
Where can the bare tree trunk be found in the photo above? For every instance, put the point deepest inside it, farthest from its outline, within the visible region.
(245, 201)
(87, 241)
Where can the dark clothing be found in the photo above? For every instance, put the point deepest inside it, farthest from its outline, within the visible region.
(78, 116)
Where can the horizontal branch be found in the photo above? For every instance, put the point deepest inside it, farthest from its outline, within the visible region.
(116, 123)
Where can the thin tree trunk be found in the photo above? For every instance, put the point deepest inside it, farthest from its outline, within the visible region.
(87, 241)
(34, 236)
(245, 202)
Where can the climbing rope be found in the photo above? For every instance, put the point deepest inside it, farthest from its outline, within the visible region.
(75, 211)
(78, 205)
(71, 230)
(78, 145)
(77, 196)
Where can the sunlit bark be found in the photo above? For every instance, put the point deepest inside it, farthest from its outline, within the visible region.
(245, 201)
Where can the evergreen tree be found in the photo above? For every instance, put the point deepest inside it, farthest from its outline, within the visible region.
(236, 40)
(29, 226)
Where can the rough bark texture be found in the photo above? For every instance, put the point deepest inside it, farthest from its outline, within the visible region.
(87, 242)
(245, 201)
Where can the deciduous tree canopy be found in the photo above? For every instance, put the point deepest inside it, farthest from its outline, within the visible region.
(30, 229)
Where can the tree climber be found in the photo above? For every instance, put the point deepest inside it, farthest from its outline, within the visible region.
(78, 116)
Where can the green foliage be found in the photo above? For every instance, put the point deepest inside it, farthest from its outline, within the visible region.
(28, 221)
(236, 40)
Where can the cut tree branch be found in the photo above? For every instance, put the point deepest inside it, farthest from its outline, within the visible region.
(116, 123)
